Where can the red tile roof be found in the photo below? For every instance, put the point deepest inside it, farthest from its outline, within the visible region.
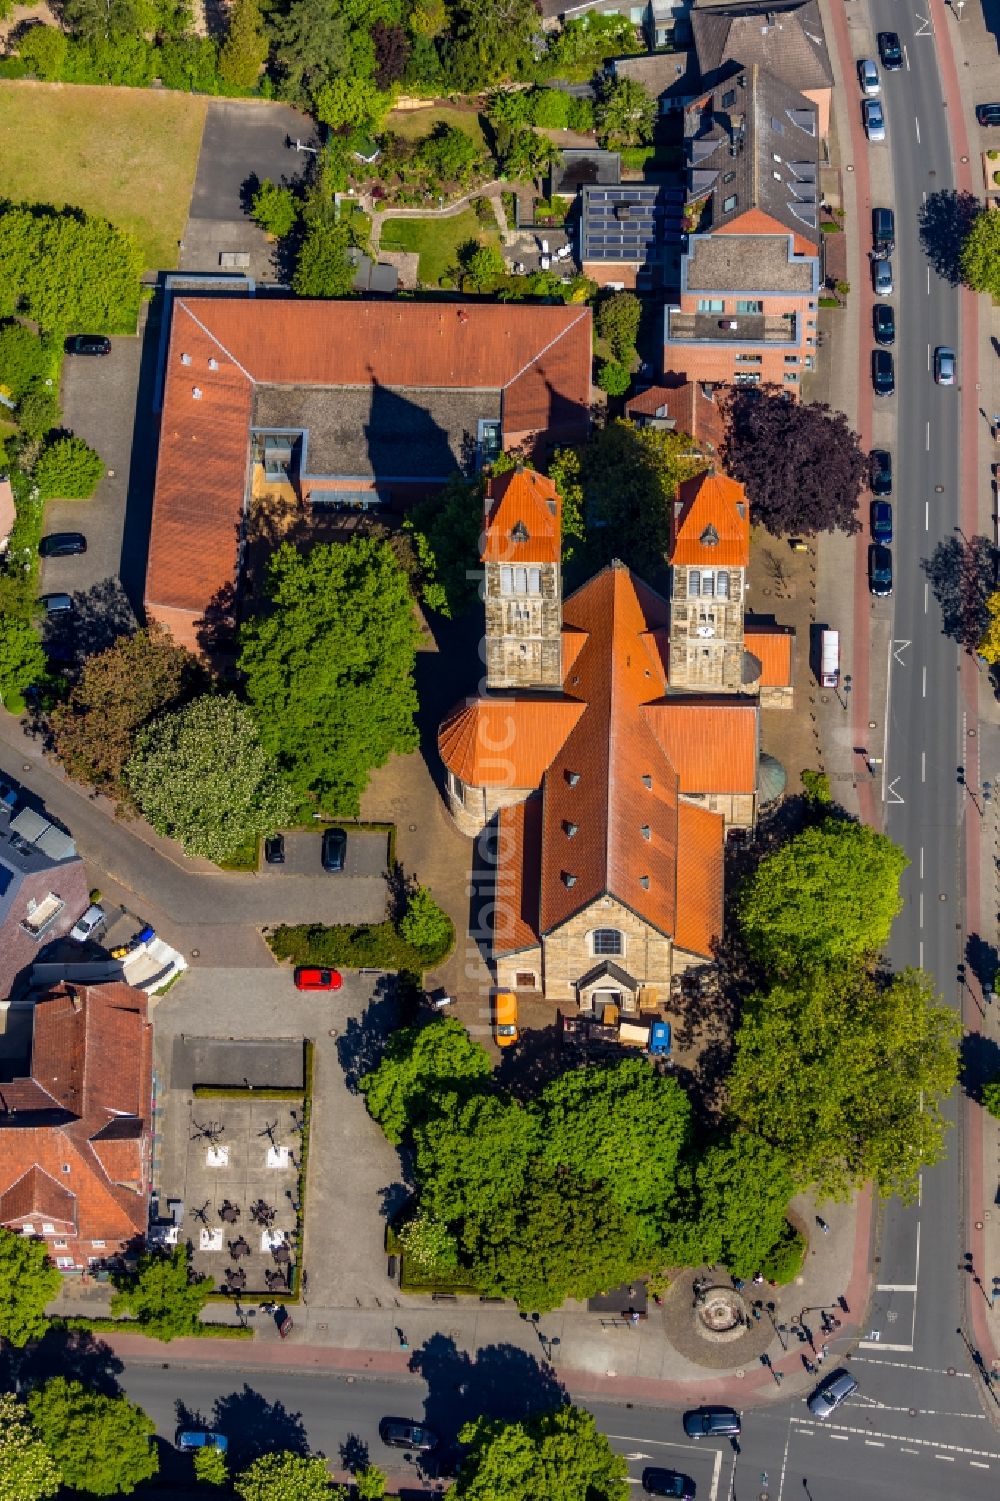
(506, 742)
(519, 862)
(699, 879)
(687, 407)
(713, 527)
(522, 519)
(773, 647)
(538, 358)
(710, 742)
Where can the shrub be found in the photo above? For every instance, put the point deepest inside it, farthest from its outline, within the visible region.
(367, 946)
(581, 114)
(38, 411)
(23, 357)
(42, 49)
(784, 1263)
(991, 1098)
(426, 927)
(817, 786)
(274, 209)
(613, 378)
(550, 109)
(68, 469)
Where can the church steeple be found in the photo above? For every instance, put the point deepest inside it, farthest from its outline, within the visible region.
(521, 550)
(709, 557)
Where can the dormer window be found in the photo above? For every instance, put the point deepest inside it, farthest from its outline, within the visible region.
(644, 882)
(568, 880)
(519, 533)
(646, 831)
(572, 777)
(709, 537)
(570, 829)
(647, 781)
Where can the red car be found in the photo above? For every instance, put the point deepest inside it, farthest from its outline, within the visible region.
(318, 979)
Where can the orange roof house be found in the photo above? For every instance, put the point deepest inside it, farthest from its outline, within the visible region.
(353, 404)
(690, 407)
(75, 1133)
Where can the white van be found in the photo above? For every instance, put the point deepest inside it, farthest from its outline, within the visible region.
(829, 658)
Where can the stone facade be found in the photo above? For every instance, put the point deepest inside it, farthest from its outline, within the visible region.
(472, 808)
(568, 955)
(523, 629)
(706, 632)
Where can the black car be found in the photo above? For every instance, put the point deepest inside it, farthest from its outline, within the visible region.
(889, 51)
(88, 344)
(62, 545)
(883, 372)
(712, 1422)
(879, 571)
(880, 521)
(884, 323)
(274, 850)
(658, 1482)
(880, 470)
(334, 849)
(988, 114)
(400, 1433)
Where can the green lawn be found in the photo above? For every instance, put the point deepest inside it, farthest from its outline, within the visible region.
(436, 241)
(127, 154)
(412, 124)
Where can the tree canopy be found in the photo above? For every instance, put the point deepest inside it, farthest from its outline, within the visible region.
(980, 255)
(323, 268)
(244, 51)
(828, 895)
(988, 645)
(100, 1444)
(618, 321)
(329, 667)
(201, 775)
(30, 1281)
(66, 269)
(287, 1477)
(419, 1064)
(27, 1470)
(802, 466)
(625, 114)
(68, 469)
(844, 1073)
(743, 1185)
(552, 1456)
(163, 1294)
(22, 658)
(23, 355)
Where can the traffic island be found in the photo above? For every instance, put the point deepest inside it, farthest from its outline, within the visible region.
(714, 1325)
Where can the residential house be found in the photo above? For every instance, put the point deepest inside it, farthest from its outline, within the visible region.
(627, 231)
(654, 20)
(43, 891)
(690, 407)
(75, 1131)
(612, 776)
(785, 37)
(345, 405)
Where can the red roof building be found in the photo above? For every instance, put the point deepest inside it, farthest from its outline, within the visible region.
(75, 1133)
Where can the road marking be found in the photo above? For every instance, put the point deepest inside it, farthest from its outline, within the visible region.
(906, 58)
(925, 28)
(926, 596)
(921, 862)
(928, 356)
(896, 1287)
(927, 515)
(977, 1464)
(927, 438)
(924, 1412)
(880, 1344)
(891, 794)
(923, 680)
(923, 1443)
(949, 1457)
(716, 1472)
(913, 1289)
(874, 1443)
(928, 289)
(897, 647)
(923, 754)
(920, 965)
(917, 124)
(841, 1436)
(916, 1451)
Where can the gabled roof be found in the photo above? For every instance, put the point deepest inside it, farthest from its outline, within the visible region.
(522, 519)
(700, 879)
(710, 742)
(685, 408)
(773, 647)
(506, 742)
(712, 528)
(786, 38)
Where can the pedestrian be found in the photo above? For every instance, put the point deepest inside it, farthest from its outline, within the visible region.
(808, 1365)
(756, 1315)
(758, 1278)
(821, 1355)
(834, 1323)
(824, 1351)
(739, 1284)
(821, 1222)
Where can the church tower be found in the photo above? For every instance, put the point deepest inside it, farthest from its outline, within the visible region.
(709, 558)
(523, 592)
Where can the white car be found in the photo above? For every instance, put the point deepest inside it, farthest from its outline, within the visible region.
(89, 923)
(868, 78)
(874, 119)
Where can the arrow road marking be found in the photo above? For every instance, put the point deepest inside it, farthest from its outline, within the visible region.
(892, 795)
(925, 28)
(897, 647)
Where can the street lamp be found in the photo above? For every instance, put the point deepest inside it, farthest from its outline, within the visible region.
(848, 683)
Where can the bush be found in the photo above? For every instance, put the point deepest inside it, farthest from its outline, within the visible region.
(581, 114)
(274, 209)
(367, 946)
(23, 356)
(68, 469)
(784, 1263)
(189, 63)
(38, 411)
(991, 1098)
(613, 378)
(817, 786)
(42, 49)
(550, 109)
(426, 927)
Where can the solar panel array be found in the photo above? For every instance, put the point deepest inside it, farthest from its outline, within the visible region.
(630, 223)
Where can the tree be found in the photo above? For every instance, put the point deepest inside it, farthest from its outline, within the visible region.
(420, 1064)
(743, 1186)
(484, 265)
(446, 531)
(370, 1484)
(802, 466)
(618, 322)
(844, 1072)
(275, 209)
(613, 378)
(189, 63)
(310, 46)
(962, 572)
(351, 99)
(68, 469)
(550, 109)
(162, 1294)
(66, 269)
(286, 1477)
(201, 775)
(244, 51)
(31, 1281)
(424, 925)
(323, 268)
(450, 155)
(529, 156)
(827, 896)
(980, 255)
(491, 41)
(119, 691)
(22, 658)
(27, 1470)
(100, 1444)
(329, 667)
(392, 53)
(551, 1456)
(988, 646)
(564, 472)
(577, 50)
(42, 49)
(625, 114)
(38, 411)
(23, 357)
(210, 1466)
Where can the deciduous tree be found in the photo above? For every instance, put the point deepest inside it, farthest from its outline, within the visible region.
(30, 1281)
(827, 896)
(27, 1470)
(529, 156)
(68, 469)
(42, 49)
(323, 268)
(613, 378)
(329, 667)
(980, 256)
(244, 51)
(100, 1444)
(392, 52)
(743, 1188)
(424, 924)
(450, 155)
(962, 573)
(484, 266)
(22, 659)
(210, 1466)
(421, 1064)
(66, 269)
(844, 1072)
(625, 114)
(446, 531)
(201, 775)
(287, 1477)
(988, 645)
(618, 321)
(351, 99)
(23, 357)
(552, 1456)
(802, 466)
(162, 1294)
(275, 209)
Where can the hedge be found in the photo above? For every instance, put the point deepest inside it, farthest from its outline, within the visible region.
(375, 946)
(241, 1092)
(413, 1280)
(131, 1326)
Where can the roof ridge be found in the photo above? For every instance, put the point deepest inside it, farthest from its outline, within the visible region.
(215, 340)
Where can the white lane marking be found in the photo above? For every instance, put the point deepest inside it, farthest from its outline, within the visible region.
(874, 1443)
(713, 1494)
(917, 124)
(906, 58)
(896, 1287)
(977, 1464)
(784, 1465)
(927, 438)
(921, 862)
(917, 1451)
(923, 680)
(842, 1436)
(927, 515)
(928, 356)
(880, 1344)
(924, 1412)
(928, 288)
(926, 597)
(949, 1457)
(895, 1438)
(913, 1289)
(920, 965)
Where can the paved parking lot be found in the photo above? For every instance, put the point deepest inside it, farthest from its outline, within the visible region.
(366, 855)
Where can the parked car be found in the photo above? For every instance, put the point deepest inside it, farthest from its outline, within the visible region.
(879, 570)
(944, 365)
(89, 923)
(274, 850)
(988, 114)
(882, 278)
(309, 977)
(400, 1433)
(884, 323)
(87, 344)
(883, 372)
(440, 999)
(197, 1438)
(62, 545)
(827, 1397)
(880, 471)
(334, 849)
(873, 119)
(505, 1018)
(668, 1483)
(883, 232)
(55, 604)
(881, 521)
(868, 77)
(889, 51)
(712, 1422)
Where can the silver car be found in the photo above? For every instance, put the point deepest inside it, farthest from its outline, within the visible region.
(874, 119)
(944, 365)
(882, 278)
(827, 1397)
(868, 77)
